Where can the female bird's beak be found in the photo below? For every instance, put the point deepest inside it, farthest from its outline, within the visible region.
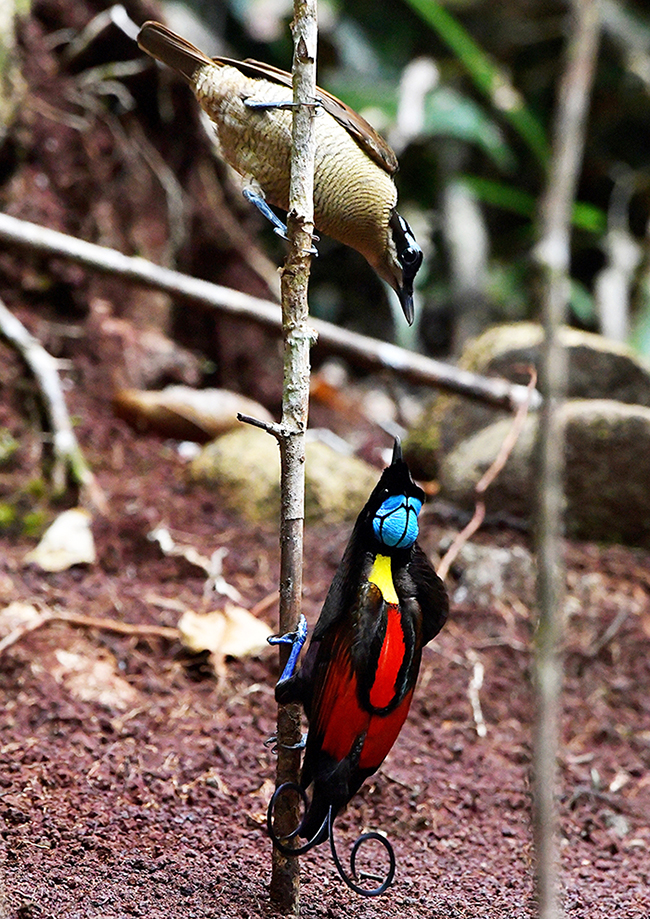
(405, 295)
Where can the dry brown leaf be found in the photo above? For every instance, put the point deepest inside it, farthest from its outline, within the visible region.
(91, 675)
(231, 632)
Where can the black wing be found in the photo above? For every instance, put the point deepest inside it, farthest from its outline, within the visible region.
(430, 593)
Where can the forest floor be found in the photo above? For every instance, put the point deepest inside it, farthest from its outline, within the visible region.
(134, 781)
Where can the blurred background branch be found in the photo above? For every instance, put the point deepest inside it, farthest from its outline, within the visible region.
(359, 349)
(553, 257)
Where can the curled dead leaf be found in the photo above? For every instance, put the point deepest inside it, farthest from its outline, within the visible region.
(231, 632)
(67, 542)
(17, 615)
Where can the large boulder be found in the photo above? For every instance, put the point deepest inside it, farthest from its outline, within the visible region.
(244, 466)
(607, 458)
(597, 369)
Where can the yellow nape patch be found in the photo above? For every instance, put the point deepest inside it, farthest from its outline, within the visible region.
(382, 576)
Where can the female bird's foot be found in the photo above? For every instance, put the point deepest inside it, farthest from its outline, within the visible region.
(278, 227)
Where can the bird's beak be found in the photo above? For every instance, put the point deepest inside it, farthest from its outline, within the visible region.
(405, 295)
(397, 451)
(409, 257)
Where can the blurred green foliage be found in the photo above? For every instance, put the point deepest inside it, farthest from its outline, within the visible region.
(486, 119)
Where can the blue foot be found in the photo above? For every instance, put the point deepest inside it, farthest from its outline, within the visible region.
(261, 106)
(278, 227)
(296, 640)
(259, 202)
(302, 743)
(272, 742)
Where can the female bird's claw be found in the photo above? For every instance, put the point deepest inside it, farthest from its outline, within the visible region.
(251, 195)
(278, 226)
(265, 106)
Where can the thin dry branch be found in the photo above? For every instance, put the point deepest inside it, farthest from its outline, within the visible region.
(359, 349)
(486, 480)
(68, 458)
(553, 254)
(285, 879)
(87, 622)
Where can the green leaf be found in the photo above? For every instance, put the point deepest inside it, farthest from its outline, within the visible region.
(641, 333)
(582, 304)
(487, 76)
(500, 194)
(448, 113)
(362, 94)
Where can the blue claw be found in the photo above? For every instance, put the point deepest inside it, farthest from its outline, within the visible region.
(260, 106)
(278, 227)
(296, 640)
(259, 202)
(272, 742)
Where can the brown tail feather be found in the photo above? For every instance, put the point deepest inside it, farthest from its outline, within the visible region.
(179, 54)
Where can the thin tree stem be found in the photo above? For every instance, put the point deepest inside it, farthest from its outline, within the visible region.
(553, 254)
(68, 460)
(285, 879)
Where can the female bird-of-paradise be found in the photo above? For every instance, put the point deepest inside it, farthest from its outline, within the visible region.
(354, 193)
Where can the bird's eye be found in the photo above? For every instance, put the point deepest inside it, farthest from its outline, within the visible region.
(410, 256)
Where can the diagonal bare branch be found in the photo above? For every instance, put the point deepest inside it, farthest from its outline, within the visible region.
(68, 458)
(359, 349)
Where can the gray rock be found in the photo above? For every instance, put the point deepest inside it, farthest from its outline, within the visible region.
(607, 470)
(597, 369)
(244, 466)
(489, 574)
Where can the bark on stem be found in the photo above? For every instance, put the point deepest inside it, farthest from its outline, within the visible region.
(553, 255)
(285, 878)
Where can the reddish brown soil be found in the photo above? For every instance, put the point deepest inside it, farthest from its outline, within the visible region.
(150, 800)
(143, 793)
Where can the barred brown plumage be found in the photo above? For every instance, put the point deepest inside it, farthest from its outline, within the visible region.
(354, 193)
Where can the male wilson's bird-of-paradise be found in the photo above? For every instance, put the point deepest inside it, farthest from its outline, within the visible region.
(357, 677)
(354, 192)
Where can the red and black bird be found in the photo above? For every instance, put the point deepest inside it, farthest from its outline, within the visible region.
(357, 678)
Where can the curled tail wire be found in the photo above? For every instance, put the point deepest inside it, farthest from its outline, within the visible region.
(280, 843)
(352, 878)
(327, 830)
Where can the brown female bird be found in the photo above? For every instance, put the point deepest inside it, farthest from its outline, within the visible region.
(354, 191)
